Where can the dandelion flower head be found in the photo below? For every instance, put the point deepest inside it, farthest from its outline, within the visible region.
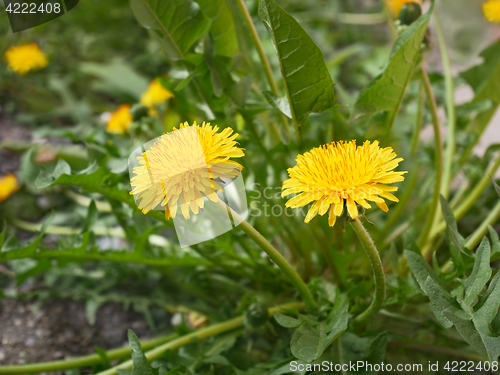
(491, 11)
(8, 186)
(395, 6)
(24, 58)
(341, 173)
(120, 120)
(184, 165)
(155, 94)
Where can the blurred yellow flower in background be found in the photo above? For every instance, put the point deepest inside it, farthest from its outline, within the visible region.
(183, 164)
(24, 58)
(395, 6)
(341, 173)
(8, 186)
(120, 120)
(155, 94)
(491, 11)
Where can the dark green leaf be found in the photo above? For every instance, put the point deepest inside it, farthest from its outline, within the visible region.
(440, 300)
(480, 275)
(141, 365)
(180, 22)
(386, 92)
(287, 321)
(495, 243)
(308, 83)
(310, 341)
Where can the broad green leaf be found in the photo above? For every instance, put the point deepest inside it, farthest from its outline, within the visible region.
(485, 80)
(440, 300)
(180, 22)
(308, 83)
(489, 309)
(419, 267)
(310, 341)
(140, 365)
(49, 175)
(480, 275)
(385, 93)
(464, 325)
(287, 321)
(222, 30)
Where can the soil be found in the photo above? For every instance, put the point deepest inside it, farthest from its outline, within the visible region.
(59, 329)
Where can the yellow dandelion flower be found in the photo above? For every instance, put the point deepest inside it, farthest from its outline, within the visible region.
(24, 58)
(341, 173)
(491, 11)
(395, 6)
(120, 120)
(8, 186)
(184, 164)
(155, 94)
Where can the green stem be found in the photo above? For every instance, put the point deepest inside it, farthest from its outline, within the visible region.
(468, 202)
(433, 211)
(85, 361)
(420, 119)
(378, 272)
(201, 334)
(280, 261)
(263, 58)
(450, 109)
(480, 232)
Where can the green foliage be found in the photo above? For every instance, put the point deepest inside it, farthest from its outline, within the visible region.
(141, 364)
(308, 84)
(385, 93)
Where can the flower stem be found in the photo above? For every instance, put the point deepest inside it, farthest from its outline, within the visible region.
(85, 361)
(450, 109)
(438, 162)
(265, 62)
(418, 124)
(480, 232)
(378, 272)
(280, 261)
(201, 334)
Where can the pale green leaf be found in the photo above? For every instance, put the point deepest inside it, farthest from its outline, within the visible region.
(308, 83)
(281, 104)
(440, 300)
(480, 275)
(287, 321)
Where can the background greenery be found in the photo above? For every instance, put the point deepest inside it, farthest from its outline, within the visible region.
(92, 244)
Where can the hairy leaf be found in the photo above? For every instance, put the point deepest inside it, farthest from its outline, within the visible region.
(440, 300)
(180, 22)
(386, 92)
(308, 83)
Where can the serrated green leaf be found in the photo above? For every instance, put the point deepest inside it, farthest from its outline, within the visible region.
(310, 341)
(480, 275)
(386, 92)
(419, 267)
(440, 300)
(463, 323)
(308, 83)
(485, 80)
(489, 308)
(180, 22)
(140, 365)
(222, 29)
(287, 321)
